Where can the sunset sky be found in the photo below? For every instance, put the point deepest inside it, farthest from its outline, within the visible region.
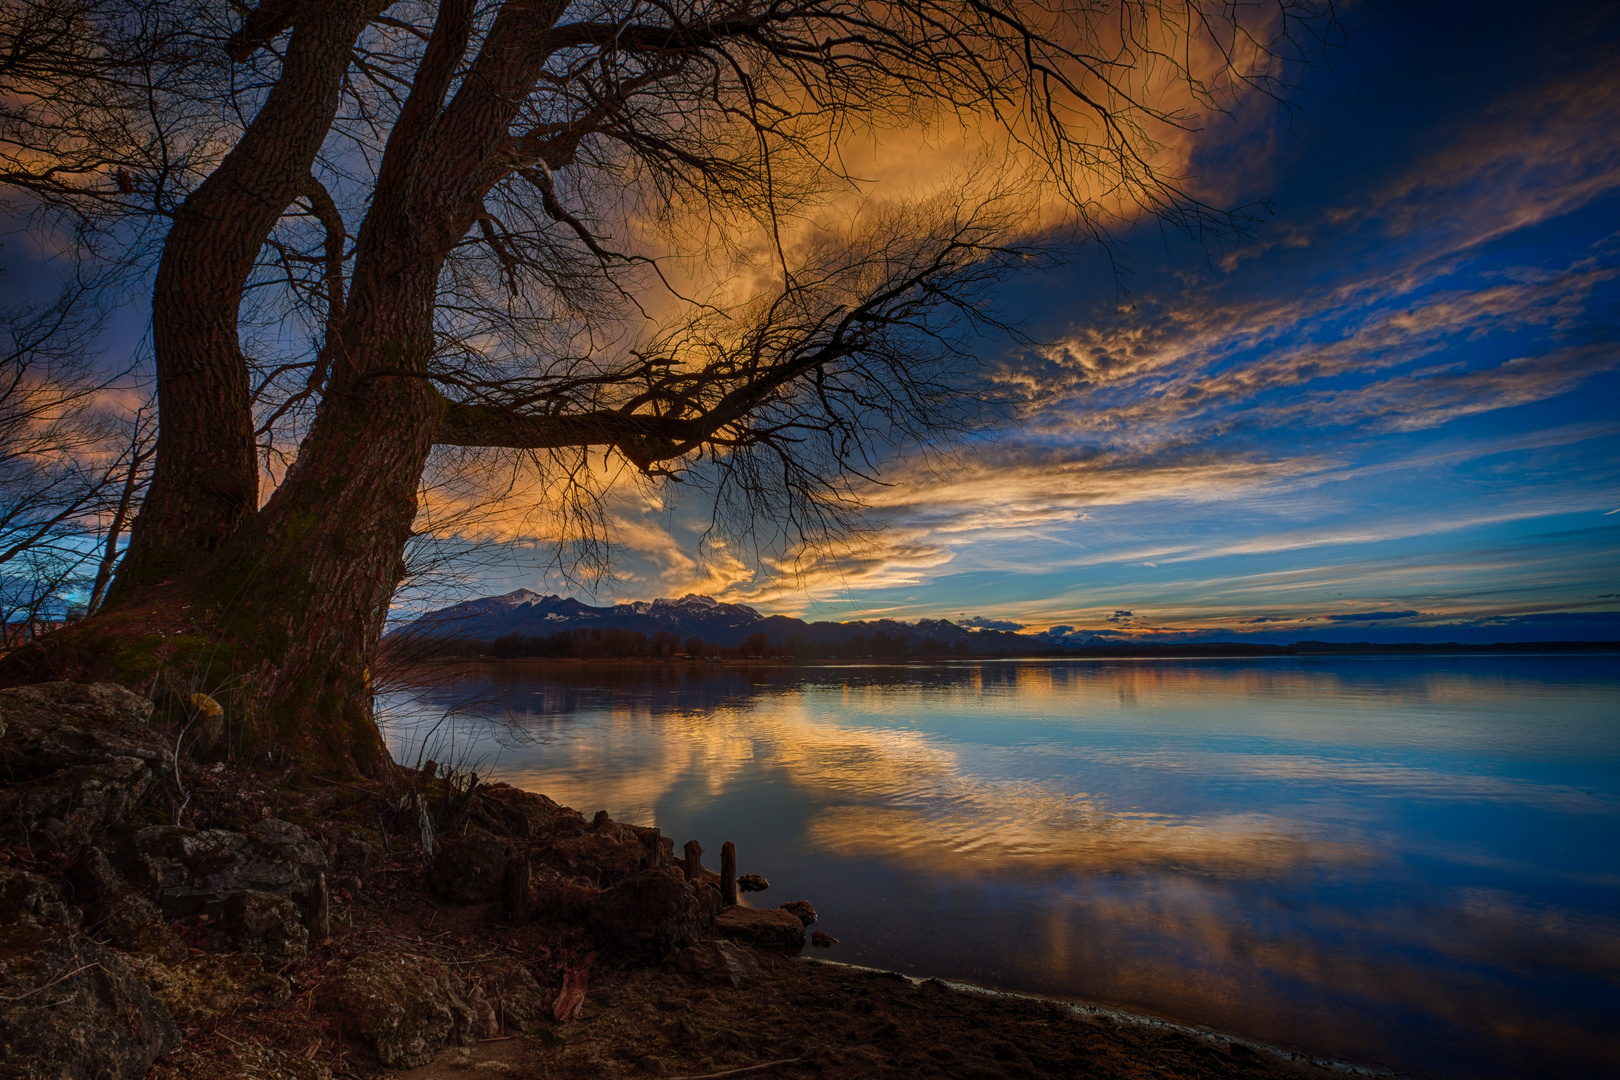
(1393, 415)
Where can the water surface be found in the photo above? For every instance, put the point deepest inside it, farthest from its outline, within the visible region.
(1412, 862)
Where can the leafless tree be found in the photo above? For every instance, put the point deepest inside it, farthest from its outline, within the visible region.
(390, 231)
(68, 478)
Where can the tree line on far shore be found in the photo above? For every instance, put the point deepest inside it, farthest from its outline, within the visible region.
(599, 643)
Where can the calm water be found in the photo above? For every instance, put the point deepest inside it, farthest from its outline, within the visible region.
(1410, 862)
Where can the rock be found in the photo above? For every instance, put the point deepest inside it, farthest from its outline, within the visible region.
(202, 990)
(770, 928)
(186, 871)
(407, 1008)
(752, 883)
(79, 757)
(70, 1009)
(802, 909)
(516, 997)
(87, 706)
(721, 962)
(121, 915)
(822, 941)
(134, 924)
(267, 925)
(470, 870)
(93, 877)
(646, 916)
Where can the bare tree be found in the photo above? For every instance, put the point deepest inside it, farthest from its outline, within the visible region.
(64, 478)
(388, 231)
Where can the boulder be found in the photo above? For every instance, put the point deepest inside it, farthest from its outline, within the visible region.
(772, 928)
(79, 757)
(802, 909)
(267, 925)
(470, 870)
(407, 1008)
(186, 871)
(202, 990)
(70, 1009)
(724, 963)
(646, 916)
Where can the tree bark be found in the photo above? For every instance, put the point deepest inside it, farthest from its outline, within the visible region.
(205, 484)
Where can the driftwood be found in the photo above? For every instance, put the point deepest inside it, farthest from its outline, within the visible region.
(728, 874)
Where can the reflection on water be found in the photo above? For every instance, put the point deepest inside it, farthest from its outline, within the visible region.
(1403, 861)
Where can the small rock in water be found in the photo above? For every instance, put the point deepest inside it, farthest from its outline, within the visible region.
(822, 941)
(752, 883)
(802, 909)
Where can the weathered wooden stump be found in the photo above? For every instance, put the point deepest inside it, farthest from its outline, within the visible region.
(728, 874)
(694, 860)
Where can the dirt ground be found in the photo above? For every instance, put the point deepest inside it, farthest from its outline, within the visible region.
(799, 1017)
(815, 1019)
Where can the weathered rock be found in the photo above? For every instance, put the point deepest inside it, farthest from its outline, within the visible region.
(770, 928)
(802, 909)
(135, 925)
(204, 989)
(470, 870)
(822, 941)
(79, 758)
(186, 871)
(70, 1009)
(720, 962)
(119, 914)
(646, 916)
(267, 925)
(407, 1008)
(516, 997)
(93, 877)
(752, 883)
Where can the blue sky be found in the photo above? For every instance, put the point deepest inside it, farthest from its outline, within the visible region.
(1391, 414)
(1394, 414)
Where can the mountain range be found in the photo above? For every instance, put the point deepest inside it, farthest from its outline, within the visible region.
(524, 611)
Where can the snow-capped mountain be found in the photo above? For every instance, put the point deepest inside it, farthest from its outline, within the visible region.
(527, 612)
(524, 611)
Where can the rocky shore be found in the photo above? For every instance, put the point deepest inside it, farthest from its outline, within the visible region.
(190, 918)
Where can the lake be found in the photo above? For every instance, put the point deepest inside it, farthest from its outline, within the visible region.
(1401, 861)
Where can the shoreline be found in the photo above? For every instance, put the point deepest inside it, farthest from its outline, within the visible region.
(1121, 1015)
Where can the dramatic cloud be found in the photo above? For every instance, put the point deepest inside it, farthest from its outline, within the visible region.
(978, 622)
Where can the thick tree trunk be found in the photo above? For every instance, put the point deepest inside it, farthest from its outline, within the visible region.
(278, 613)
(305, 587)
(205, 483)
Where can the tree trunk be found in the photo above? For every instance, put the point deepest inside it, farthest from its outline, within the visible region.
(303, 591)
(206, 482)
(278, 614)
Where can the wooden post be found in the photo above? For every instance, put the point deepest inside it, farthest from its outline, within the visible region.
(318, 912)
(694, 860)
(517, 890)
(728, 874)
